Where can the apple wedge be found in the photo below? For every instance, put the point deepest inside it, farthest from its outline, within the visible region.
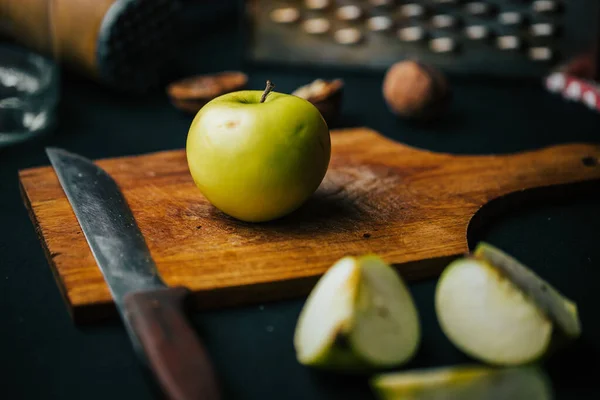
(561, 310)
(464, 382)
(360, 315)
(498, 311)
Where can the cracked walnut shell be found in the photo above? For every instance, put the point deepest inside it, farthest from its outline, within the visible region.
(325, 95)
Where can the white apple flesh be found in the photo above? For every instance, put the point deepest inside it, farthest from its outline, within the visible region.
(465, 382)
(359, 315)
(488, 317)
(561, 310)
(491, 316)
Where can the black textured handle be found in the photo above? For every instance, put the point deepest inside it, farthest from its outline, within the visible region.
(174, 352)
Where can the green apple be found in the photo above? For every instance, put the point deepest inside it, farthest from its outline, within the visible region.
(498, 311)
(359, 316)
(464, 382)
(258, 156)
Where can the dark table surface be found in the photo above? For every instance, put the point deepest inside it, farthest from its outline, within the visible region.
(45, 356)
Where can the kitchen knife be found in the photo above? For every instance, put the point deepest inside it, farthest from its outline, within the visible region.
(152, 313)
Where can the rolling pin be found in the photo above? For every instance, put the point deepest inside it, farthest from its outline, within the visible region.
(121, 43)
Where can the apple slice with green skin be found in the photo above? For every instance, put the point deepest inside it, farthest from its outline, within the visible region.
(561, 310)
(360, 315)
(498, 311)
(464, 382)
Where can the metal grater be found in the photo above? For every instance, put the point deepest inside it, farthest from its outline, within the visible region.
(513, 38)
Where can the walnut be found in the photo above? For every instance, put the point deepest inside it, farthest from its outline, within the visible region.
(415, 90)
(326, 96)
(191, 93)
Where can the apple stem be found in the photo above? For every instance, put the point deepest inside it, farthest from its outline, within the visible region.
(268, 89)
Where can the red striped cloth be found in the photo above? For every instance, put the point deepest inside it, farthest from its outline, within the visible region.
(574, 82)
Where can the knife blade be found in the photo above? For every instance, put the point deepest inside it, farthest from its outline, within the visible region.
(152, 312)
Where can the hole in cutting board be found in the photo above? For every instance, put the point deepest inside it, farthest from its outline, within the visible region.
(500, 207)
(589, 161)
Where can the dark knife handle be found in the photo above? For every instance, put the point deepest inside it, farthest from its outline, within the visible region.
(173, 350)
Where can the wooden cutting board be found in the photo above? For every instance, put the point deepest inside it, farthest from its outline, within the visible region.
(412, 207)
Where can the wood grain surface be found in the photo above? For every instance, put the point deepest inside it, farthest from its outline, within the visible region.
(412, 207)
